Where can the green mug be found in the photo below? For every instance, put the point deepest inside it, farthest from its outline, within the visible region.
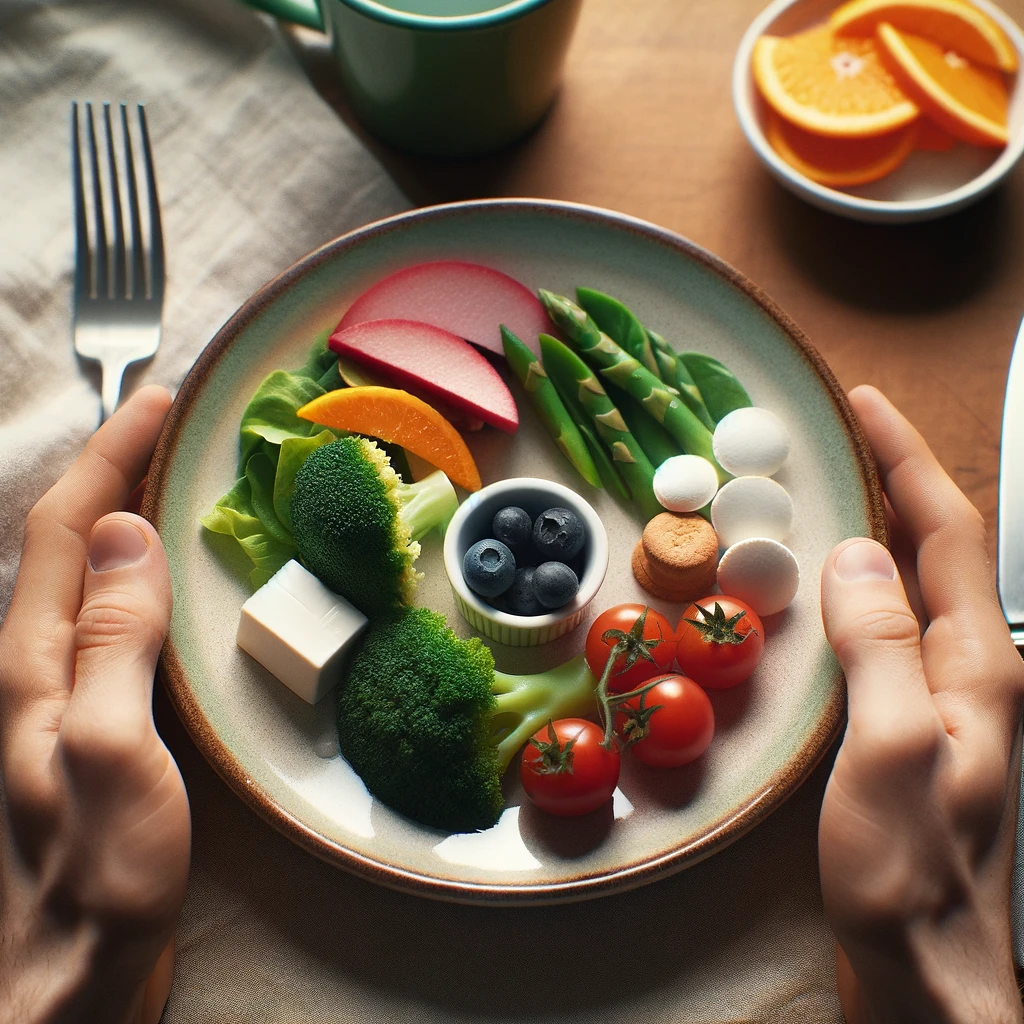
(443, 77)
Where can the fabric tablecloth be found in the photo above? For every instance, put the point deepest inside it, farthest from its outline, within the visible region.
(255, 170)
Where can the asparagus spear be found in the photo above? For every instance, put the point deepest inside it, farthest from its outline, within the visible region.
(674, 369)
(621, 368)
(620, 324)
(530, 373)
(657, 443)
(722, 391)
(565, 367)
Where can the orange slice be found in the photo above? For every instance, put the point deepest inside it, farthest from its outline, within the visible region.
(400, 418)
(952, 24)
(968, 101)
(830, 86)
(840, 163)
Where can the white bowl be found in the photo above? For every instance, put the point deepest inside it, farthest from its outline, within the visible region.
(472, 522)
(927, 185)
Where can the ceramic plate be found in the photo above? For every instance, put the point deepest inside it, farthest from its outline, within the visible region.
(280, 755)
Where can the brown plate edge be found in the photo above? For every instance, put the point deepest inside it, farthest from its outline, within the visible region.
(727, 829)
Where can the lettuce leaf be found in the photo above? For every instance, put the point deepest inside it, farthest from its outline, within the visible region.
(273, 444)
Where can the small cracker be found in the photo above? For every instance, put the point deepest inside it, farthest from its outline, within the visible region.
(641, 571)
(681, 553)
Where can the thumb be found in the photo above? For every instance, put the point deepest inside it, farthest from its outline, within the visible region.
(126, 609)
(876, 637)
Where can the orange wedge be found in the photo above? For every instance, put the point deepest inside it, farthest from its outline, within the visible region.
(952, 24)
(830, 86)
(840, 163)
(970, 102)
(400, 418)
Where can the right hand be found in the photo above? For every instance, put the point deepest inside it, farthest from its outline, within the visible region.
(917, 829)
(94, 832)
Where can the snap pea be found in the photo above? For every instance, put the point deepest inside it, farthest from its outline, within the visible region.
(722, 391)
(622, 369)
(531, 374)
(613, 482)
(674, 369)
(571, 373)
(620, 324)
(657, 443)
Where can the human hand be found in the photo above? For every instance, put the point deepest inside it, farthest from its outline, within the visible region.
(916, 834)
(94, 833)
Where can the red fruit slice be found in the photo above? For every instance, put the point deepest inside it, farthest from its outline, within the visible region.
(435, 362)
(465, 298)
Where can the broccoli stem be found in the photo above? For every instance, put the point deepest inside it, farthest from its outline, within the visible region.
(526, 703)
(425, 504)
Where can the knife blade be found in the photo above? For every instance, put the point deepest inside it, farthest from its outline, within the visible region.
(1010, 575)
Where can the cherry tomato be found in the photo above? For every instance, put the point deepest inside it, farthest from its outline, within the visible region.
(726, 645)
(566, 771)
(669, 725)
(621, 619)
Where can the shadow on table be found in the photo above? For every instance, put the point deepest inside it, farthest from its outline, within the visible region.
(898, 268)
(425, 180)
(271, 933)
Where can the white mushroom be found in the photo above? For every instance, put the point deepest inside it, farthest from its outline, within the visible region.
(751, 506)
(751, 442)
(760, 571)
(685, 483)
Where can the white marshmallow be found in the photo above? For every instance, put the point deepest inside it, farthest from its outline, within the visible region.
(751, 506)
(751, 442)
(760, 571)
(685, 483)
(300, 631)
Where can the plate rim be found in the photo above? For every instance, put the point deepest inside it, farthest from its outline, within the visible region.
(731, 826)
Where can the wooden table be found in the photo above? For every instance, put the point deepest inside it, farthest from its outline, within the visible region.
(644, 125)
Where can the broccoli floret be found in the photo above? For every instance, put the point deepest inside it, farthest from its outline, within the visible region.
(357, 524)
(430, 726)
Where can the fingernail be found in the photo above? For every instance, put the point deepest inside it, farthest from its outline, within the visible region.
(116, 543)
(865, 560)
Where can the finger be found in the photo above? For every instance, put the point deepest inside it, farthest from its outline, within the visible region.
(945, 528)
(39, 630)
(875, 636)
(126, 608)
(905, 556)
(966, 648)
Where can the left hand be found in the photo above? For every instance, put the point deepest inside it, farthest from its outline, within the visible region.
(94, 820)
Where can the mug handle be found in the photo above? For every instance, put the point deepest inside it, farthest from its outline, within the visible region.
(301, 12)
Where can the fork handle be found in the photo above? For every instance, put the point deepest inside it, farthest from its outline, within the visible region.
(111, 375)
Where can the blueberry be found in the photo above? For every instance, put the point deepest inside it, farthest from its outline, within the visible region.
(520, 597)
(558, 534)
(489, 568)
(514, 527)
(554, 584)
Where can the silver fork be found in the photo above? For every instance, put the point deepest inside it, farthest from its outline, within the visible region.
(119, 289)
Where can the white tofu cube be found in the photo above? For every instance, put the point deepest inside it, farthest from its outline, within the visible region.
(300, 631)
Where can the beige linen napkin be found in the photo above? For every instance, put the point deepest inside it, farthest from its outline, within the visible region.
(255, 170)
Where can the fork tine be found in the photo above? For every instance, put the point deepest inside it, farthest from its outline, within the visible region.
(117, 222)
(156, 234)
(82, 275)
(100, 262)
(138, 282)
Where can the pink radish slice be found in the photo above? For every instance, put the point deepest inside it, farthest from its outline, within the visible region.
(465, 298)
(433, 361)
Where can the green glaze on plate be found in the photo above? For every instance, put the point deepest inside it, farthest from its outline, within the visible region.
(280, 755)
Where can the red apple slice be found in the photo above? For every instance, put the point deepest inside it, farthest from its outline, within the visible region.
(465, 298)
(433, 361)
